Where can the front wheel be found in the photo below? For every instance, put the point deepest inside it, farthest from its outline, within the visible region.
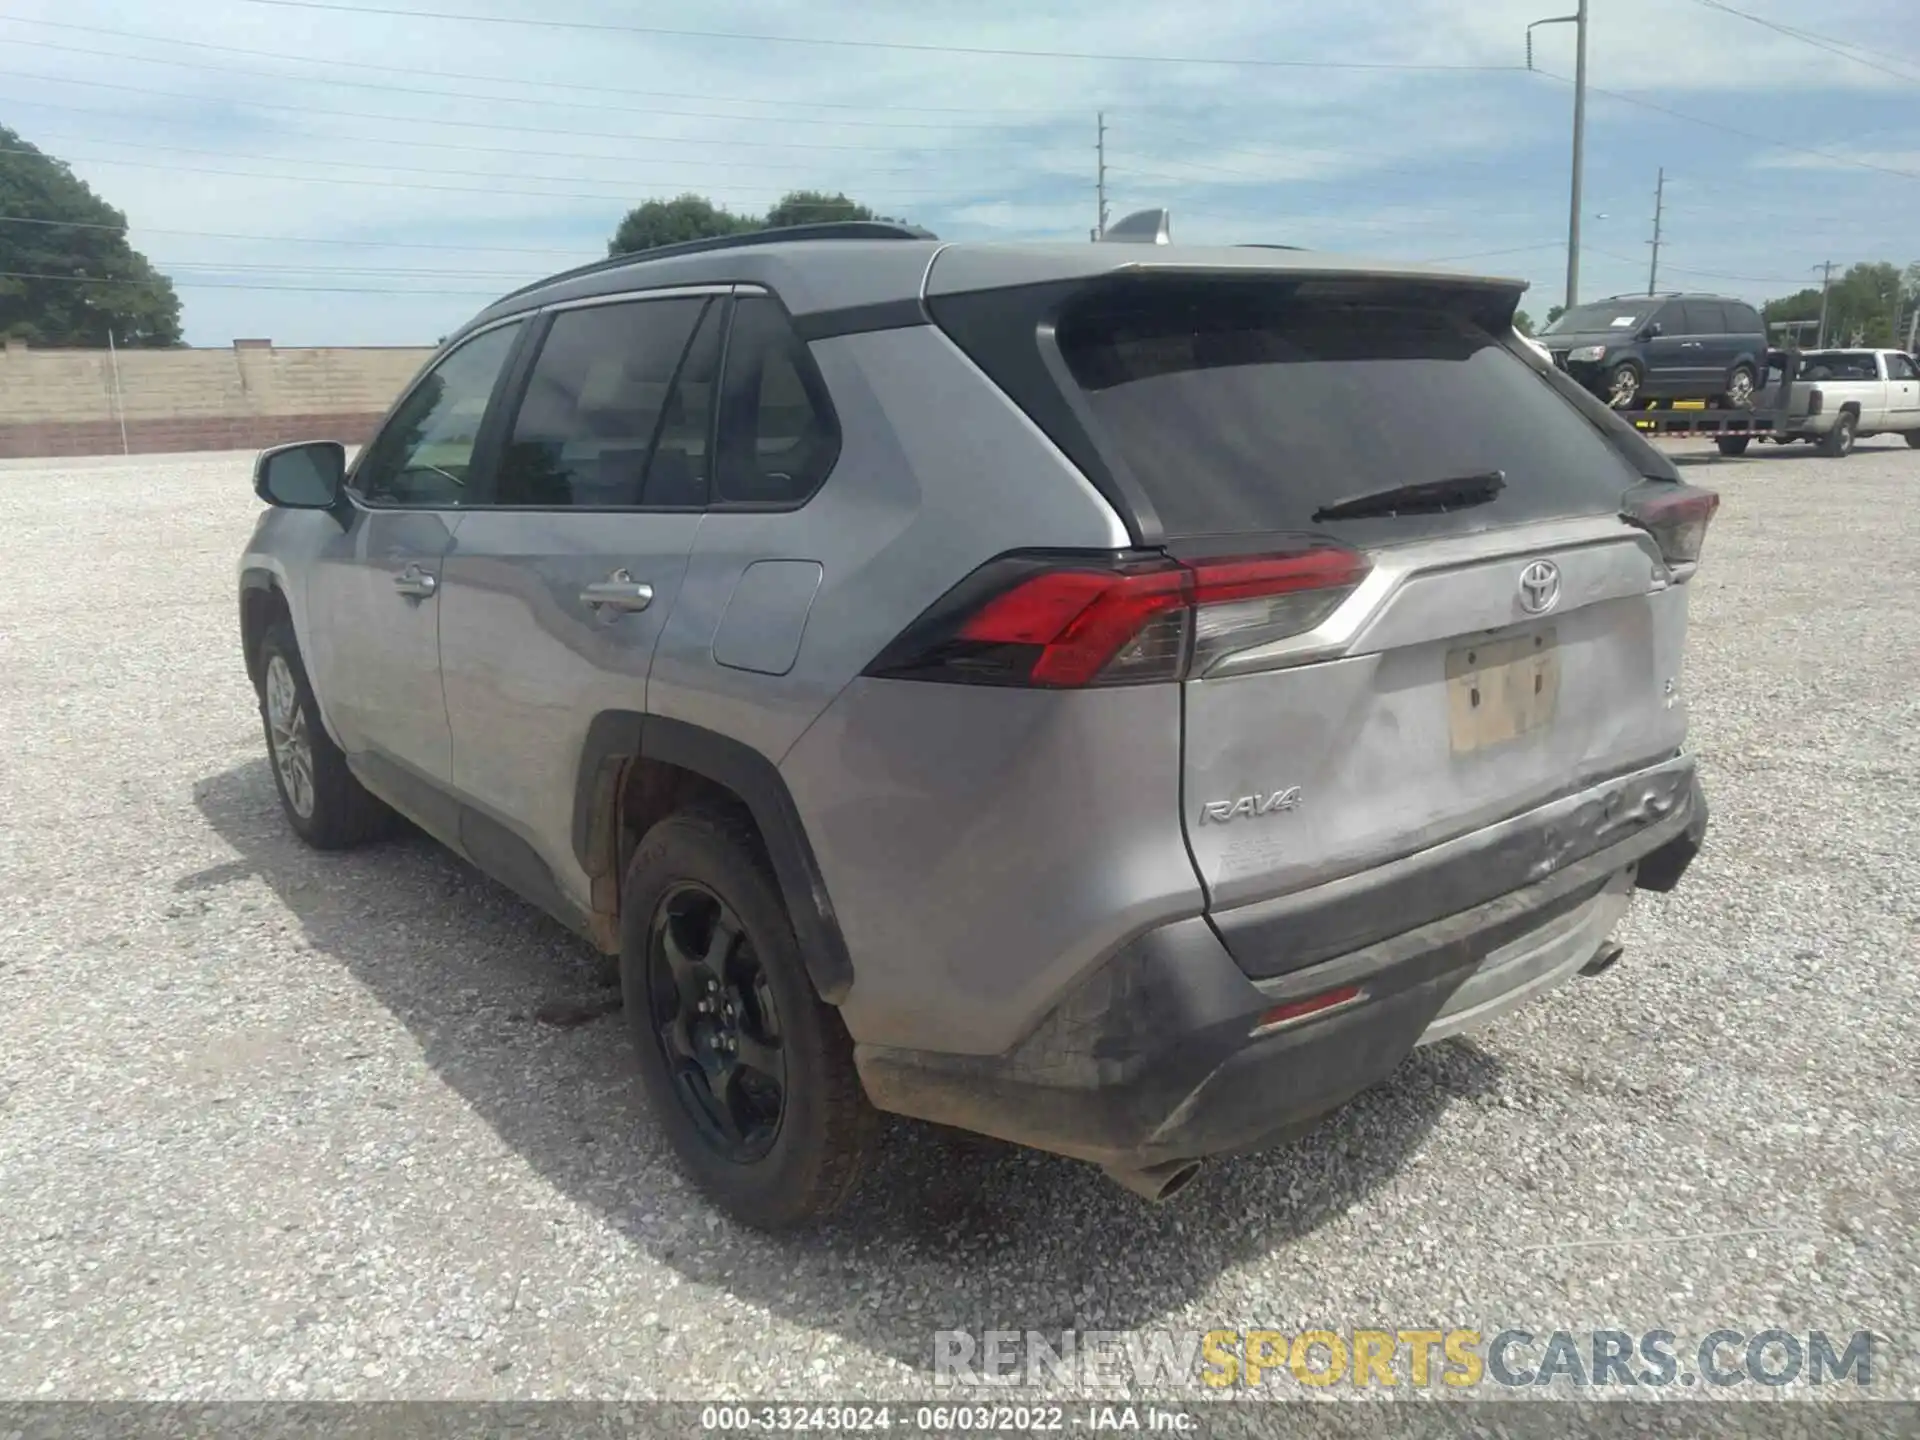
(750, 1072)
(1839, 440)
(1623, 386)
(326, 806)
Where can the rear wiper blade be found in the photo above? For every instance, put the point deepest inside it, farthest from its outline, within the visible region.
(1425, 497)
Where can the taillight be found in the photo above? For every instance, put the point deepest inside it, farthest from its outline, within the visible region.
(1676, 516)
(1067, 622)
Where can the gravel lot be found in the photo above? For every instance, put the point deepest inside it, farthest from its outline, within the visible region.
(277, 1124)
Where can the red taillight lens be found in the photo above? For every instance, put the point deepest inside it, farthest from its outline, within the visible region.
(1675, 515)
(1065, 622)
(1294, 1011)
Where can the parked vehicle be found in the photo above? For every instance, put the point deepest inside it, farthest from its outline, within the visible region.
(1635, 348)
(1855, 393)
(1117, 698)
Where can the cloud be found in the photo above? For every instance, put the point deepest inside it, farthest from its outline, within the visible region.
(418, 166)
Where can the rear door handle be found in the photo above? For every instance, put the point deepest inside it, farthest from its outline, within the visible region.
(415, 583)
(619, 591)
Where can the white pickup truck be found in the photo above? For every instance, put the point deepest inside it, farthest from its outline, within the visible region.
(1854, 393)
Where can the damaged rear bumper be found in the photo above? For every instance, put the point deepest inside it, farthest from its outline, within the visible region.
(1167, 1051)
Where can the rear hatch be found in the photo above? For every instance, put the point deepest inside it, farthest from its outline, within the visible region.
(1419, 610)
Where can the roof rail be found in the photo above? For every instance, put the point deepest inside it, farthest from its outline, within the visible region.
(825, 230)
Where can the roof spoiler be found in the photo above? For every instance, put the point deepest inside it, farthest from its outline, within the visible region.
(1143, 227)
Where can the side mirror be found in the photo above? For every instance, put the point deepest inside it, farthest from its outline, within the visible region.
(306, 476)
(1652, 330)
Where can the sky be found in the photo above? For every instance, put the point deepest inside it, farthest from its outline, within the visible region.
(371, 172)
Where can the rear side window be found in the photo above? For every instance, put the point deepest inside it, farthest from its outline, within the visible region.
(1250, 407)
(598, 397)
(1704, 317)
(1744, 319)
(778, 437)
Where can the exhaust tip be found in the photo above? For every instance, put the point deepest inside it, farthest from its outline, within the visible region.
(1157, 1183)
(1604, 959)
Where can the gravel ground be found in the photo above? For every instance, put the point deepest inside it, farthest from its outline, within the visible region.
(277, 1124)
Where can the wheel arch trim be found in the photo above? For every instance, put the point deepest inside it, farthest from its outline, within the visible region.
(617, 737)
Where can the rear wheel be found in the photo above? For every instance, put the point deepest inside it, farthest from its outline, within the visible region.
(1733, 444)
(326, 806)
(750, 1072)
(1913, 439)
(1839, 440)
(1623, 385)
(1740, 386)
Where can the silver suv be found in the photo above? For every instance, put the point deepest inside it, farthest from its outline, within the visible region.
(1119, 698)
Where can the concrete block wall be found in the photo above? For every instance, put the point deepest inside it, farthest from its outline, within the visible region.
(252, 394)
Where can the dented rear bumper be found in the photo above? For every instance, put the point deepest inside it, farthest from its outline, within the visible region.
(1162, 1055)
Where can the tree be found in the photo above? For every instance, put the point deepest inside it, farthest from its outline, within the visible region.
(1863, 306)
(73, 279)
(668, 222)
(1555, 312)
(814, 207)
(1523, 322)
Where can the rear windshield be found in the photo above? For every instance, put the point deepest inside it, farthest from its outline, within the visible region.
(1839, 365)
(1243, 408)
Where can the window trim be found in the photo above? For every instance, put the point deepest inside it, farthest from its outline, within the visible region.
(810, 372)
(519, 372)
(482, 464)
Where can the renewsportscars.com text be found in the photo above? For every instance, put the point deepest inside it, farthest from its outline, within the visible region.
(1459, 1358)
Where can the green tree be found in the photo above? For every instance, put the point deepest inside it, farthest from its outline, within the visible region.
(668, 222)
(1554, 312)
(69, 280)
(1523, 322)
(815, 207)
(1863, 306)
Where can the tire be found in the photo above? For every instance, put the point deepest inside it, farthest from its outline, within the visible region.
(326, 806)
(1741, 385)
(775, 1156)
(1623, 385)
(1733, 444)
(1913, 439)
(1838, 441)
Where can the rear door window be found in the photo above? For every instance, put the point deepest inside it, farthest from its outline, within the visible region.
(1248, 407)
(1744, 319)
(1704, 317)
(601, 393)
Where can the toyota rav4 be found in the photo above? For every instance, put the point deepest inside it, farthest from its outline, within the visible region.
(1119, 698)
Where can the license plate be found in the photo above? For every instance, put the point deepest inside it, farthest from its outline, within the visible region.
(1499, 691)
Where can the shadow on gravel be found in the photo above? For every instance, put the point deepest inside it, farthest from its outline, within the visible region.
(948, 1231)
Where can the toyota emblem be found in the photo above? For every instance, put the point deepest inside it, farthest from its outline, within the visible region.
(1539, 587)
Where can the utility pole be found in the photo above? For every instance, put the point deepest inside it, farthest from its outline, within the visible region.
(1659, 211)
(1826, 287)
(1579, 21)
(1100, 181)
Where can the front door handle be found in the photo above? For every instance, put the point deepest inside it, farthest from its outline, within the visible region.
(619, 591)
(415, 583)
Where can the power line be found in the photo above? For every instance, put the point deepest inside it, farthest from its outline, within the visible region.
(286, 239)
(523, 152)
(629, 181)
(1766, 140)
(600, 197)
(479, 124)
(1819, 42)
(998, 52)
(218, 285)
(544, 82)
(597, 105)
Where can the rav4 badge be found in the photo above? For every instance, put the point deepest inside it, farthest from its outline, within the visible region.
(1250, 807)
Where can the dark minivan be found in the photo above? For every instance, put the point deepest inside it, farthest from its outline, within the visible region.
(1635, 348)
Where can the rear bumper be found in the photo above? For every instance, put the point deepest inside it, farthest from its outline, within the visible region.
(1160, 1055)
